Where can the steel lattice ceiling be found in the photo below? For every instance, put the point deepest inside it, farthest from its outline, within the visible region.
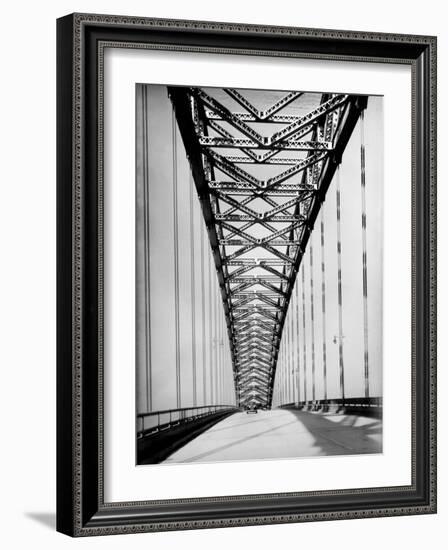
(262, 162)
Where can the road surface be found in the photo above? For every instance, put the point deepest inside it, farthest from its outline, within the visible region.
(281, 433)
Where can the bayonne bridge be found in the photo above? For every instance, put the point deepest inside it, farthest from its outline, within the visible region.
(259, 228)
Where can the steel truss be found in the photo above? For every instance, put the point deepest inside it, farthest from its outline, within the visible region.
(259, 220)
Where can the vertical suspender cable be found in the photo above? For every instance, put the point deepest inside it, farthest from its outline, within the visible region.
(285, 394)
(219, 352)
(210, 328)
(226, 372)
(285, 369)
(221, 347)
(297, 341)
(176, 265)
(282, 376)
(340, 336)
(313, 358)
(146, 237)
(304, 333)
(364, 259)
(218, 355)
(223, 359)
(285, 387)
(216, 342)
(278, 377)
(291, 362)
(280, 380)
(193, 297)
(324, 314)
(287, 363)
(223, 355)
(290, 367)
(285, 377)
(204, 371)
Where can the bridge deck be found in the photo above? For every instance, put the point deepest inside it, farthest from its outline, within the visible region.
(282, 434)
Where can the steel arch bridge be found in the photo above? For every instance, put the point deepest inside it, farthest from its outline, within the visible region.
(262, 167)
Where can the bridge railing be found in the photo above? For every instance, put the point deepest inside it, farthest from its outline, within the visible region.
(152, 422)
(368, 406)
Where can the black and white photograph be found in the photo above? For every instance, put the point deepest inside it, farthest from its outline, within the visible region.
(259, 274)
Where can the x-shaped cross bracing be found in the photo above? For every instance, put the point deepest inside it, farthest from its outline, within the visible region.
(259, 218)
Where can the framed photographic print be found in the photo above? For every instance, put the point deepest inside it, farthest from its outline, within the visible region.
(246, 274)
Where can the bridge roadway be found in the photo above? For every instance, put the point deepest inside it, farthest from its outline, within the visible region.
(280, 433)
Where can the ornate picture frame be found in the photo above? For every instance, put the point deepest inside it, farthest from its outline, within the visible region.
(81, 506)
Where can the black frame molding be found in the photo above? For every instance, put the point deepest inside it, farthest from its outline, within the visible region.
(81, 39)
